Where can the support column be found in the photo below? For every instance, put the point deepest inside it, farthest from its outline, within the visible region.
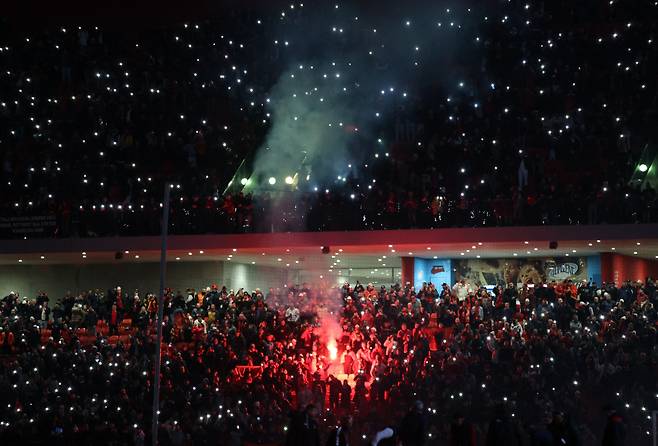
(407, 270)
(594, 268)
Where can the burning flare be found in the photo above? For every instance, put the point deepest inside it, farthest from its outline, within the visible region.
(333, 349)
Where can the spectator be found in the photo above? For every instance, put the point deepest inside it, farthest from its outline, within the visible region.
(341, 435)
(503, 430)
(303, 428)
(240, 374)
(562, 431)
(413, 427)
(615, 431)
(505, 133)
(462, 432)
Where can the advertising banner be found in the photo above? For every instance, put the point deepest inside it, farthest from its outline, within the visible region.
(493, 272)
(27, 225)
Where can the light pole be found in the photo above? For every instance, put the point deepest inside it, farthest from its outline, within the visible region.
(158, 345)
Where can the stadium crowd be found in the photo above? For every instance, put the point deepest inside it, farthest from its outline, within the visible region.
(540, 114)
(554, 364)
(544, 124)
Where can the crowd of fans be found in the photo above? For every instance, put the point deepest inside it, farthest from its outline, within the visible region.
(557, 103)
(548, 109)
(551, 364)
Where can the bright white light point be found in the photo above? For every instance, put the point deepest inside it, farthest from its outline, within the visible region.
(272, 180)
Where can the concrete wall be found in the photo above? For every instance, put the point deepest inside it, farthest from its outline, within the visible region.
(423, 272)
(594, 268)
(56, 280)
(382, 276)
(617, 268)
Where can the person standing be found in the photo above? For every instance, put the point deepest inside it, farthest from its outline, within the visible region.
(540, 434)
(319, 390)
(562, 431)
(304, 428)
(334, 392)
(615, 431)
(346, 396)
(414, 426)
(502, 430)
(462, 432)
(341, 435)
(460, 289)
(348, 359)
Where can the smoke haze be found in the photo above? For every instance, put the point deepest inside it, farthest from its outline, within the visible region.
(345, 74)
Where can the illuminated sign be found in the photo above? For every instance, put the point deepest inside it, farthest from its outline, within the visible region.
(561, 271)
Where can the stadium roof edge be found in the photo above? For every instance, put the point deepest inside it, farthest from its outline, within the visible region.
(353, 238)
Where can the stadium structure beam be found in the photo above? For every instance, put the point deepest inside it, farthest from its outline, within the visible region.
(158, 345)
